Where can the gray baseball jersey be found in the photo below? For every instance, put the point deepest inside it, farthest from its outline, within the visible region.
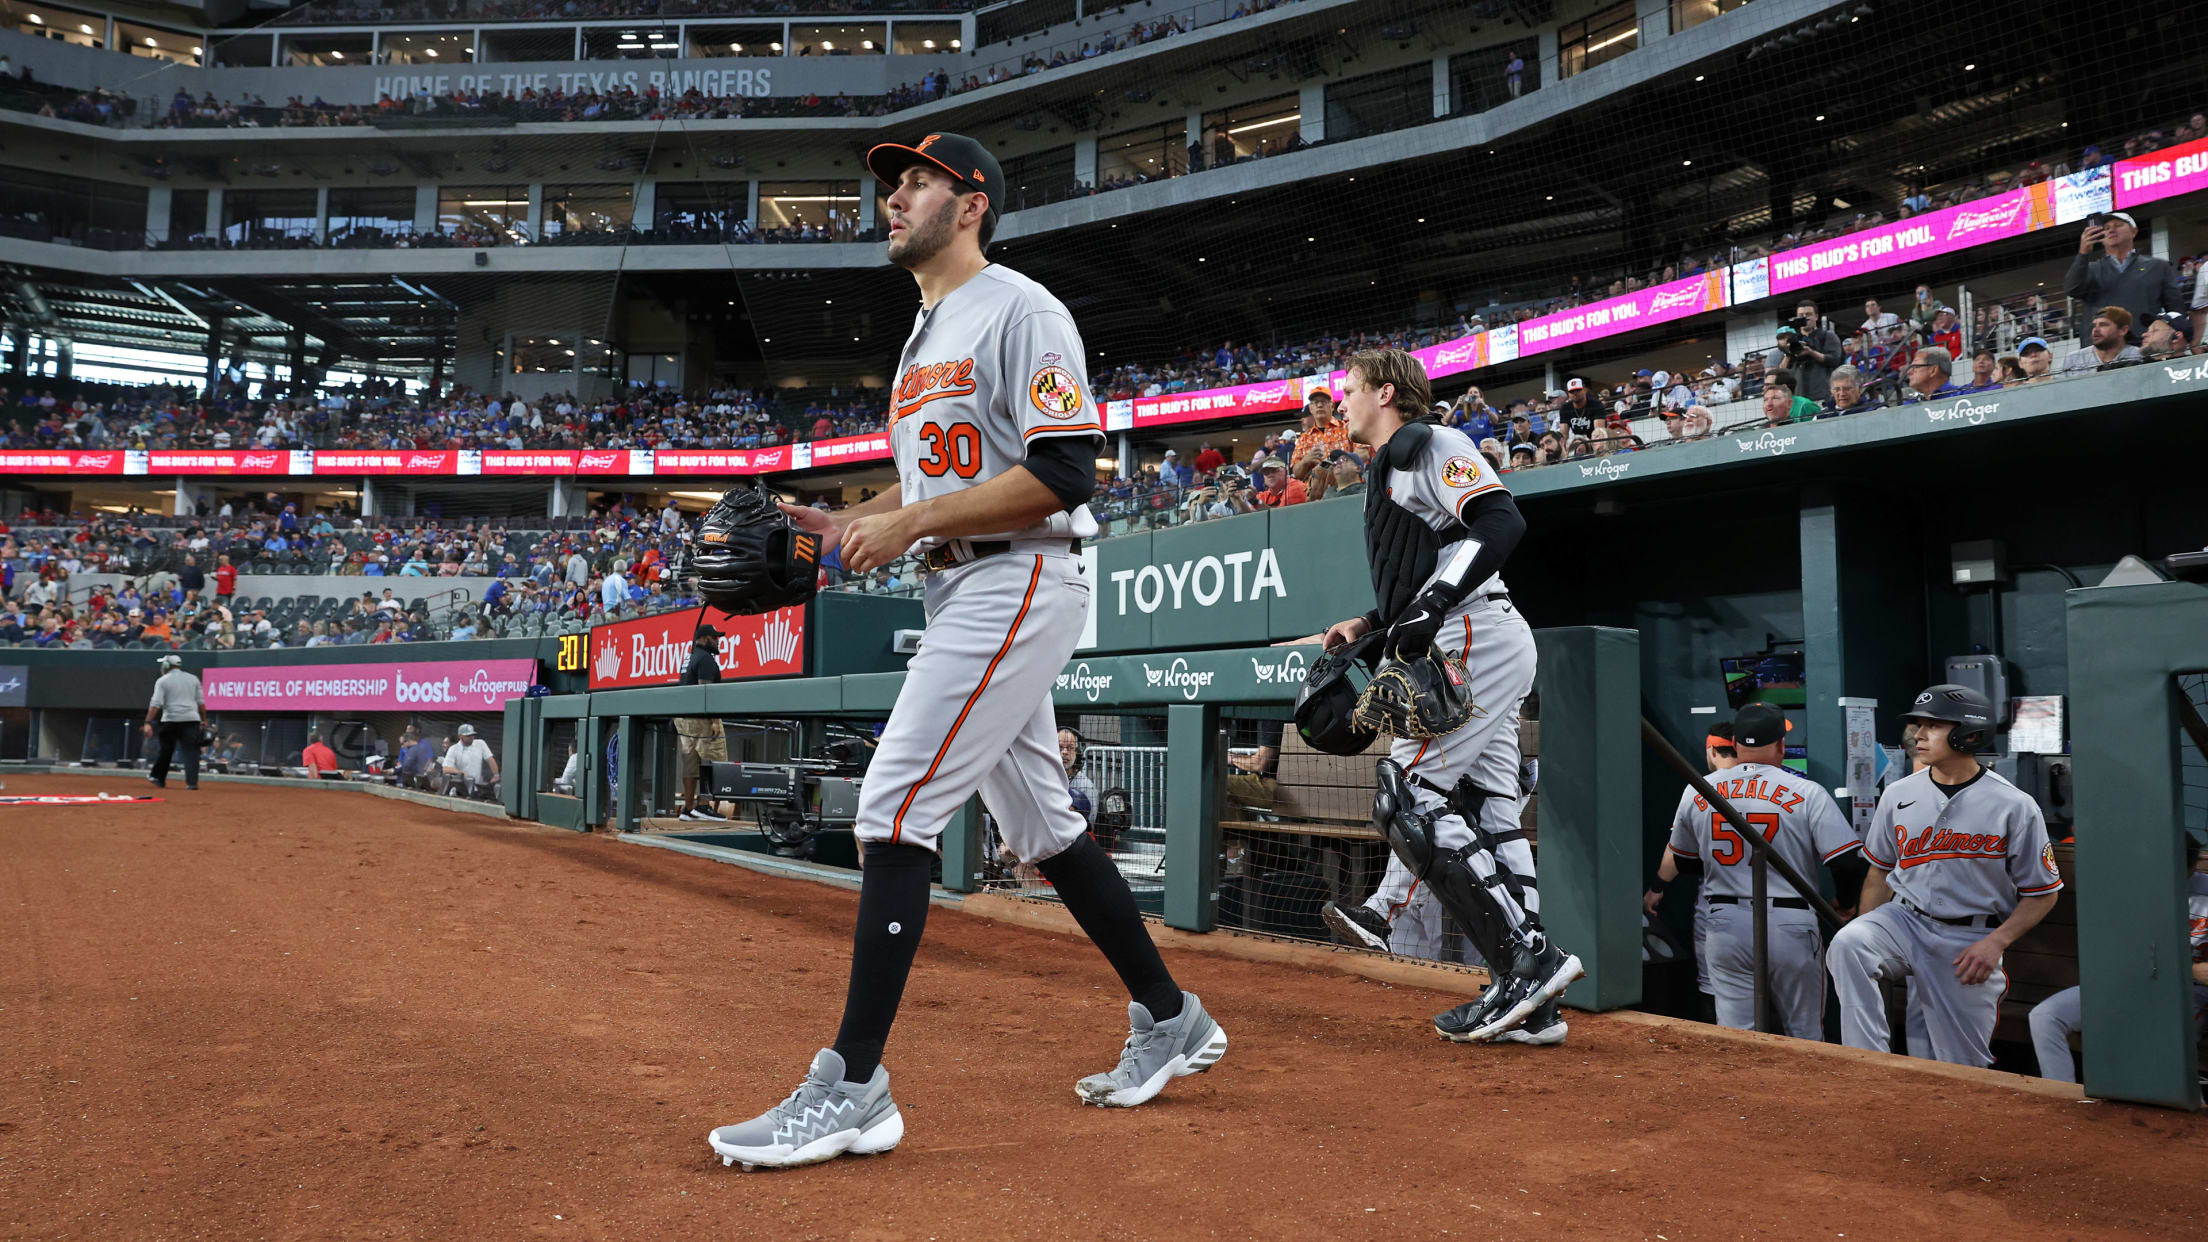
(994, 366)
(1792, 812)
(1974, 849)
(1451, 473)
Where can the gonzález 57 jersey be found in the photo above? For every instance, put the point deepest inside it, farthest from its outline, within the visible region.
(1792, 812)
(993, 367)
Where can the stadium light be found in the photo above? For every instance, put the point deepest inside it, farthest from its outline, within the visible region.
(1282, 120)
(432, 51)
(954, 45)
(85, 29)
(735, 47)
(868, 44)
(36, 20)
(336, 54)
(776, 46)
(928, 44)
(826, 44)
(628, 47)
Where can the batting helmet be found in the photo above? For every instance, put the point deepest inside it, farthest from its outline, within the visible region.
(1969, 711)
(1326, 707)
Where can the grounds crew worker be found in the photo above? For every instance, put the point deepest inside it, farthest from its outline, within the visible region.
(1965, 858)
(699, 737)
(179, 703)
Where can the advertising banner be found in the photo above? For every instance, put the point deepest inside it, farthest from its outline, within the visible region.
(845, 450)
(228, 461)
(721, 461)
(436, 685)
(1451, 357)
(2160, 174)
(1269, 397)
(563, 461)
(1657, 304)
(652, 651)
(387, 461)
(2080, 194)
(1974, 223)
(61, 461)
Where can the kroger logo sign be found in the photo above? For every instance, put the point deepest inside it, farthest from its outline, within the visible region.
(1082, 681)
(1607, 469)
(1768, 442)
(1963, 411)
(1286, 671)
(1178, 676)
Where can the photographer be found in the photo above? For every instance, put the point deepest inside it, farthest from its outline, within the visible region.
(2108, 270)
(1810, 349)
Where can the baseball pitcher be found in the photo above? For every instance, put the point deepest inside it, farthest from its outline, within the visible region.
(995, 434)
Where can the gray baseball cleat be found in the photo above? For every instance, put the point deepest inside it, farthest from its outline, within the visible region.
(1155, 1054)
(1356, 926)
(824, 1118)
(1458, 1024)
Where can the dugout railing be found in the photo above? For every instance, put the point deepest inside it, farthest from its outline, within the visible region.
(1589, 805)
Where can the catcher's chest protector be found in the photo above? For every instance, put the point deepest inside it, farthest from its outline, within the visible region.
(1402, 549)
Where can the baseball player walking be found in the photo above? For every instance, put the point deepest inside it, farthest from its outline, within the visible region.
(1965, 859)
(1802, 823)
(179, 704)
(1438, 526)
(995, 434)
(1717, 755)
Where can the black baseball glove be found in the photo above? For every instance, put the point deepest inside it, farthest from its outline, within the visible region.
(1425, 696)
(748, 557)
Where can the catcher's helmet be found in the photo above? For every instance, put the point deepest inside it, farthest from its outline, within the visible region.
(1326, 707)
(1969, 711)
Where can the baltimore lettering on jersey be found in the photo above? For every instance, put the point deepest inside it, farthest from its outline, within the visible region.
(932, 381)
(1937, 843)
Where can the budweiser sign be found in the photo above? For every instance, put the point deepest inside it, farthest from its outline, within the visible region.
(653, 651)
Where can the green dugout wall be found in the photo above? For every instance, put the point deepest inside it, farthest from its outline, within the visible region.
(1590, 814)
(2134, 955)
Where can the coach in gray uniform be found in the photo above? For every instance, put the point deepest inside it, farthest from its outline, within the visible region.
(179, 704)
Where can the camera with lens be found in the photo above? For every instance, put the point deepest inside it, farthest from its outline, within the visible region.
(1791, 336)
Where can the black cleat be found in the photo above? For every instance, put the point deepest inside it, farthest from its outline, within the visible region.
(1541, 975)
(1458, 1024)
(1356, 926)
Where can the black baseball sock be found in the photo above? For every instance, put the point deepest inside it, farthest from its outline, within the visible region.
(893, 910)
(1097, 894)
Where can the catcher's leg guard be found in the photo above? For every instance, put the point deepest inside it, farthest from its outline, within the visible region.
(1448, 872)
(1469, 801)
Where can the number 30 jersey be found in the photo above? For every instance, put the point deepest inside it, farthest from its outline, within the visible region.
(992, 368)
(1791, 811)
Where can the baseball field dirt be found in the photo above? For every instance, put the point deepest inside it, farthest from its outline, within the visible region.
(255, 1012)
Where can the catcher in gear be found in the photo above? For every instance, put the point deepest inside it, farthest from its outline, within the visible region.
(748, 558)
(1438, 527)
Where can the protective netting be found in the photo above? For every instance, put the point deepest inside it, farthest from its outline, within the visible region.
(1487, 210)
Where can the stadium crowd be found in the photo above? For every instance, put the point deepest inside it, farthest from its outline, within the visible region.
(379, 415)
(138, 579)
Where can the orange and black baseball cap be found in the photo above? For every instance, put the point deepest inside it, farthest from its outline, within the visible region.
(956, 154)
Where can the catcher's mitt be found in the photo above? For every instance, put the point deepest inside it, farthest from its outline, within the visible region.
(1428, 696)
(749, 558)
